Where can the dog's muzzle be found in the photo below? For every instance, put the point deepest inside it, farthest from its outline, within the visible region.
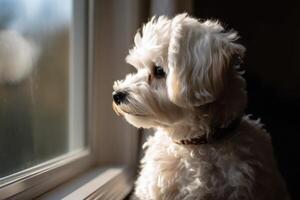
(119, 97)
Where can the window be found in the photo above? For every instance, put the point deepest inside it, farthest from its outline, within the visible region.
(39, 84)
(56, 122)
(43, 76)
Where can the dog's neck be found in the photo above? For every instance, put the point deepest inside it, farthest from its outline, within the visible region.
(188, 128)
(217, 134)
(200, 129)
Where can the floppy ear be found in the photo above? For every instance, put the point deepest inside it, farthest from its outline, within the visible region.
(198, 57)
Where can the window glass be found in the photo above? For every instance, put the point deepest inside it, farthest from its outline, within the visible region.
(41, 88)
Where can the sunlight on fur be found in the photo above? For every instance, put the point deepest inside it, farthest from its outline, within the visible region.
(188, 89)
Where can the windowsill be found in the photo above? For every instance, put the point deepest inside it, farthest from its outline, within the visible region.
(98, 183)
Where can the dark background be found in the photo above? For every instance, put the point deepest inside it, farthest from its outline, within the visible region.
(270, 32)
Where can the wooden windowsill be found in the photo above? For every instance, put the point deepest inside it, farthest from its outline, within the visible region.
(98, 183)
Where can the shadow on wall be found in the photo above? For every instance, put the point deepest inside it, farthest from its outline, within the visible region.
(270, 32)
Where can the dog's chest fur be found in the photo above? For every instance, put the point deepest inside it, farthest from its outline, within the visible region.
(226, 170)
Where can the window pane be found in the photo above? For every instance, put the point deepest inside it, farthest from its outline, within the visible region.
(41, 82)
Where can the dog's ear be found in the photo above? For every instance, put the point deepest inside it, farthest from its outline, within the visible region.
(198, 57)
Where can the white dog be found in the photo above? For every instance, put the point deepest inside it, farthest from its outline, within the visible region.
(188, 88)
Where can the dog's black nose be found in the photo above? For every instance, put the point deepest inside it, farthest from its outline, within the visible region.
(119, 97)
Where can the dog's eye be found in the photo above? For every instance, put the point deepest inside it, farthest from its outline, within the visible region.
(159, 72)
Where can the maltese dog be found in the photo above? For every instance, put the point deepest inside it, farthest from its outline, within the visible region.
(189, 88)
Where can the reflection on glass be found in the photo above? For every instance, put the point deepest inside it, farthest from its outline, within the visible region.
(35, 78)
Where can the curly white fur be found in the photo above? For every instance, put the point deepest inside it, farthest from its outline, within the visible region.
(201, 89)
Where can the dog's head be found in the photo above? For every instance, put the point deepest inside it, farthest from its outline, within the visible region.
(185, 71)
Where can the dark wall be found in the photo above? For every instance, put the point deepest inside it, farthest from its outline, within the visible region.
(271, 33)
